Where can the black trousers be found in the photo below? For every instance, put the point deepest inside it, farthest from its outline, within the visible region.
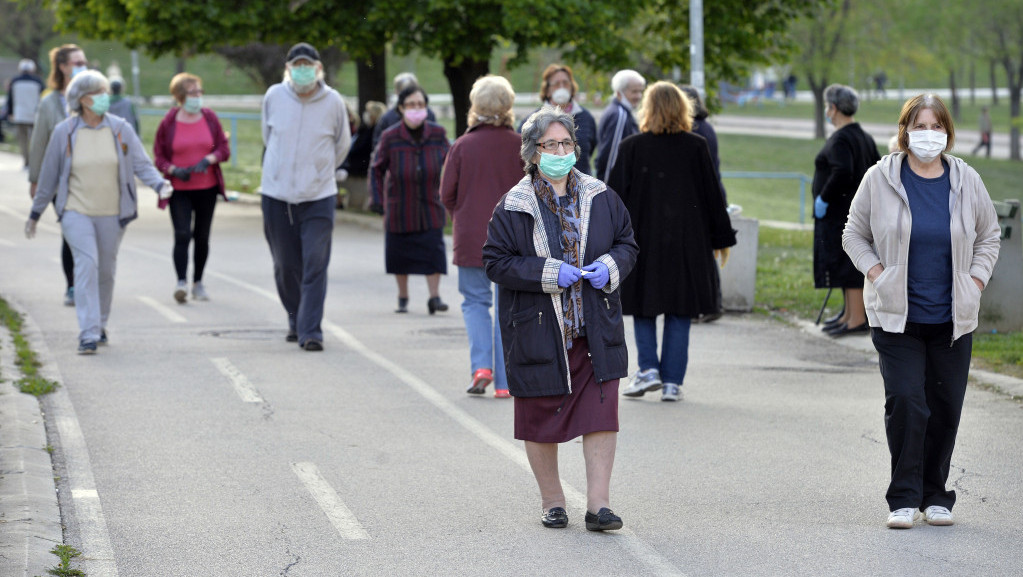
(925, 383)
(184, 204)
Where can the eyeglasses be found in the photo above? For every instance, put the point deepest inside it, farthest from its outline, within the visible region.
(552, 145)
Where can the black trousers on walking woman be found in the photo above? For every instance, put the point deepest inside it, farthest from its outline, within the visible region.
(924, 376)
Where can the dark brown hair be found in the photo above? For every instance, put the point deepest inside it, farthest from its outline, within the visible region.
(58, 57)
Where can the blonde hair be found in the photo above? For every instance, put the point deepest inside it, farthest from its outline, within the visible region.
(180, 84)
(665, 110)
(911, 109)
(492, 98)
(58, 57)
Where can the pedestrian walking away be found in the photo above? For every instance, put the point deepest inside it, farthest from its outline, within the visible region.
(89, 173)
(558, 246)
(23, 96)
(618, 121)
(923, 230)
(985, 133)
(190, 144)
(839, 168)
(65, 62)
(405, 183)
(482, 165)
(667, 181)
(559, 88)
(307, 136)
(122, 106)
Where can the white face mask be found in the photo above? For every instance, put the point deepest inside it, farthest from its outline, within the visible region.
(561, 96)
(927, 144)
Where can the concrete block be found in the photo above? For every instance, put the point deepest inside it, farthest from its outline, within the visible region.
(1001, 306)
(739, 276)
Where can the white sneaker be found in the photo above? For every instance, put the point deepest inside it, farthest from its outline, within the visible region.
(938, 515)
(671, 392)
(901, 518)
(181, 291)
(643, 382)
(199, 292)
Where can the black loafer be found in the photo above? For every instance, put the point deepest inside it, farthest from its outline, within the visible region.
(603, 520)
(292, 337)
(312, 345)
(845, 329)
(555, 518)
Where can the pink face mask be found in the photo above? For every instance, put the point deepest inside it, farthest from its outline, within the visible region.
(414, 117)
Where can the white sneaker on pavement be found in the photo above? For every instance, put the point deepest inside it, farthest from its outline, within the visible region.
(181, 291)
(901, 518)
(199, 292)
(938, 515)
(671, 392)
(643, 382)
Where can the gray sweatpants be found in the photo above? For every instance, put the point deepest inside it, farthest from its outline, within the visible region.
(94, 241)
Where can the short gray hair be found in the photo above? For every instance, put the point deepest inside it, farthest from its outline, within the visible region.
(403, 81)
(536, 126)
(84, 84)
(623, 78)
(843, 97)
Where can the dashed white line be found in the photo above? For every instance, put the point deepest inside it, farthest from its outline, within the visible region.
(5, 242)
(325, 495)
(241, 384)
(165, 311)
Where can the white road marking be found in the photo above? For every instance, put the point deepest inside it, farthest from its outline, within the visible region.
(164, 310)
(325, 495)
(5, 242)
(241, 384)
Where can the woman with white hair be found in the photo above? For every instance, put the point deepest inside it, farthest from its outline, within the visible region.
(558, 246)
(89, 167)
(482, 165)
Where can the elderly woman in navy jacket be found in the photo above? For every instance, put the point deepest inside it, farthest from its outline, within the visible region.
(559, 245)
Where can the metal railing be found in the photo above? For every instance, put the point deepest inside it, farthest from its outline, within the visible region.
(802, 178)
(234, 117)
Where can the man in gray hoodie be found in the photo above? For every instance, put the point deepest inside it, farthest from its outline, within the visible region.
(306, 135)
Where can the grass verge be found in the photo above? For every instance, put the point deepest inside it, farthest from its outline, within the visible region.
(31, 382)
(65, 553)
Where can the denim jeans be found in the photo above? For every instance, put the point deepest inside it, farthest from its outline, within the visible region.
(479, 295)
(674, 349)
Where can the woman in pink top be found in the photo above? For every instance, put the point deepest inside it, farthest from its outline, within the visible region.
(189, 147)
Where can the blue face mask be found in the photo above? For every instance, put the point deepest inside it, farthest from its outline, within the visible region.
(303, 75)
(556, 166)
(193, 104)
(76, 69)
(100, 103)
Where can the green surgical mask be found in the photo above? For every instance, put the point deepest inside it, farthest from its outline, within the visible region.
(193, 104)
(100, 103)
(303, 75)
(556, 166)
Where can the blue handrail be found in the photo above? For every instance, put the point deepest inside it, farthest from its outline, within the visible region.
(802, 178)
(234, 117)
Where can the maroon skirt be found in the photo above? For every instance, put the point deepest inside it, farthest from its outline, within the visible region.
(591, 407)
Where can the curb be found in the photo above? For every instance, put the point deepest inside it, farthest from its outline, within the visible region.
(29, 510)
(1002, 384)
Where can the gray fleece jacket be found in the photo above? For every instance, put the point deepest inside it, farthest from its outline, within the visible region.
(878, 232)
(132, 161)
(306, 140)
(50, 113)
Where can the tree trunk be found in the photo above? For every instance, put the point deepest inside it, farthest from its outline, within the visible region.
(955, 93)
(994, 83)
(1015, 78)
(372, 78)
(973, 84)
(460, 80)
(818, 105)
(180, 64)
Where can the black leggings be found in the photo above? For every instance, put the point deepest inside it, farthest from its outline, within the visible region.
(68, 261)
(183, 204)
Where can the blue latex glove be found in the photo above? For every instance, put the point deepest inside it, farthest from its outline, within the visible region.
(819, 207)
(599, 275)
(568, 275)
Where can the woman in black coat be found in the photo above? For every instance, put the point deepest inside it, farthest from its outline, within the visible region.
(838, 170)
(557, 246)
(666, 179)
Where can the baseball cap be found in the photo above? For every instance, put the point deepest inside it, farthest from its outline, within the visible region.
(303, 50)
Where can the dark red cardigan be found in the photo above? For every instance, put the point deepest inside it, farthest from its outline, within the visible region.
(163, 146)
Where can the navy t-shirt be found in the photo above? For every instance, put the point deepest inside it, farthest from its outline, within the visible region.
(930, 247)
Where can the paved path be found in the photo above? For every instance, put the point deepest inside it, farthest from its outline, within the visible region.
(199, 443)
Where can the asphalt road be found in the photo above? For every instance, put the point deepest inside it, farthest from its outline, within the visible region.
(200, 443)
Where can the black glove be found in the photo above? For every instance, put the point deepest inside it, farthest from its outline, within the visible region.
(377, 208)
(200, 166)
(182, 174)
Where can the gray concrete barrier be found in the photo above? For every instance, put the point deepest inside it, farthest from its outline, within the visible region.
(1001, 307)
(739, 276)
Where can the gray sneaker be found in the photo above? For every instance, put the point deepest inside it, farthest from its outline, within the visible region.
(181, 291)
(643, 382)
(671, 392)
(69, 297)
(199, 292)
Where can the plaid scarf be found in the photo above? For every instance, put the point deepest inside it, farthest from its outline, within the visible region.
(567, 210)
